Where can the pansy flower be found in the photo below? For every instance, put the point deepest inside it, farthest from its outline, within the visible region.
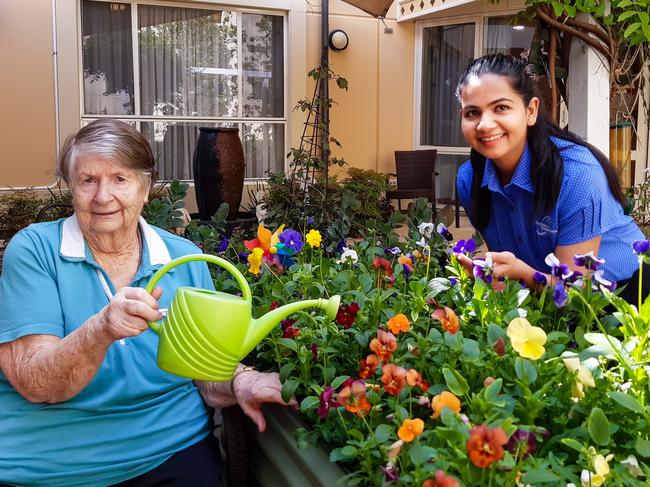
(393, 450)
(393, 378)
(485, 445)
(326, 402)
(398, 324)
(414, 379)
(581, 374)
(406, 261)
(447, 318)
(346, 314)
(558, 270)
(600, 279)
(522, 443)
(314, 351)
(288, 330)
(292, 240)
(500, 347)
(641, 247)
(464, 247)
(384, 345)
(313, 238)
(223, 245)
(527, 340)
(540, 278)
(368, 366)
(482, 269)
(426, 229)
(444, 400)
(393, 251)
(390, 472)
(410, 429)
(353, 397)
(441, 480)
(560, 296)
(444, 232)
(601, 471)
(589, 261)
(348, 255)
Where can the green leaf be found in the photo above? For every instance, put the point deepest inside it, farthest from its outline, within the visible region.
(288, 389)
(308, 403)
(289, 343)
(349, 451)
(438, 285)
(627, 401)
(420, 454)
(558, 8)
(492, 391)
(355, 433)
(455, 382)
(495, 332)
(471, 348)
(539, 475)
(525, 370)
(570, 10)
(598, 426)
(336, 383)
(642, 447)
(631, 29)
(285, 371)
(383, 432)
(626, 15)
(571, 443)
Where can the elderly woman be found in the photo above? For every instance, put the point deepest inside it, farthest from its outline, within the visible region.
(82, 401)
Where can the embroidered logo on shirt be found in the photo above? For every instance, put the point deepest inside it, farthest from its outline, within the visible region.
(543, 227)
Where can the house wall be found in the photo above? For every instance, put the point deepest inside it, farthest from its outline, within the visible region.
(27, 128)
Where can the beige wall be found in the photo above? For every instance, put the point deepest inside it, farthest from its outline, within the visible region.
(27, 128)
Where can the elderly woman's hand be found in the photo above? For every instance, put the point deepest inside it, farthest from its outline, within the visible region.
(253, 388)
(128, 312)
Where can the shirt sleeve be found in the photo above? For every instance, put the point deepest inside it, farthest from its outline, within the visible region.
(29, 295)
(586, 207)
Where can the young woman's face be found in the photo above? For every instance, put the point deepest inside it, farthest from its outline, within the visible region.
(495, 120)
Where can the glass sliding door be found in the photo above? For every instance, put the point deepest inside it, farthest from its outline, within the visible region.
(446, 52)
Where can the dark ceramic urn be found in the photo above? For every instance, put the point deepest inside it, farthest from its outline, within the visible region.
(219, 169)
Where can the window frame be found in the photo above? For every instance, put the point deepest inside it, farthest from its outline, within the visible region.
(239, 120)
(478, 20)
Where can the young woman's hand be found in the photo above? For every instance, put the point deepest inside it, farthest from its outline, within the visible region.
(505, 264)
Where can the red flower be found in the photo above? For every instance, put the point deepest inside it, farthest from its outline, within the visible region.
(500, 347)
(441, 481)
(368, 366)
(274, 305)
(485, 445)
(384, 345)
(447, 318)
(383, 268)
(314, 351)
(326, 402)
(353, 397)
(288, 330)
(346, 314)
(414, 378)
(394, 378)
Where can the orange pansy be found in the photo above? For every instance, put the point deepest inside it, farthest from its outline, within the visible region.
(384, 345)
(485, 445)
(368, 366)
(447, 318)
(413, 378)
(398, 323)
(444, 400)
(393, 378)
(353, 397)
(410, 429)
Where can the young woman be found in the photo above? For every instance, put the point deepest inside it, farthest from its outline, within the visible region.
(531, 188)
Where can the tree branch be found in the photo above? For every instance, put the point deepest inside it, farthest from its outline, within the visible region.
(592, 28)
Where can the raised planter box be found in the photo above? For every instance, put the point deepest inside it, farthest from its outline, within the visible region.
(274, 459)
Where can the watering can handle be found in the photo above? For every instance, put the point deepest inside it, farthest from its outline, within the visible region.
(241, 280)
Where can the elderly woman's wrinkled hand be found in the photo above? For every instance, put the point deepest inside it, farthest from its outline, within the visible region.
(128, 312)
(253, 388)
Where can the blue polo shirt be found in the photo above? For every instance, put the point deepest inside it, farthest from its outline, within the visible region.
(132, 416)
(585, 209)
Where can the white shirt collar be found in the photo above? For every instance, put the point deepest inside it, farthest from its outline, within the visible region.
(73, 242)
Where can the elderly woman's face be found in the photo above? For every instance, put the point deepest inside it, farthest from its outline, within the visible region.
(107, 198)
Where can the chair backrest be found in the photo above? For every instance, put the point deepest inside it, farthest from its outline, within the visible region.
(414, 168)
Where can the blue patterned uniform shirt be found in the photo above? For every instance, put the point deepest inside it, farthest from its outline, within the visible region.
(585, 209)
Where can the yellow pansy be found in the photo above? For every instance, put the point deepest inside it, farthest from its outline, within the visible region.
(527, 340)
(597, 478)
(313, 238)
(582, 375)
(255, 260)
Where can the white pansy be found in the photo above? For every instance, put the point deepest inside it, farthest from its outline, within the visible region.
(426, 229)
(632, 465)
(348, 255)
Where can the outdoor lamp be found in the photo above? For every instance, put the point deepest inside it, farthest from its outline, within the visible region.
(338, 40)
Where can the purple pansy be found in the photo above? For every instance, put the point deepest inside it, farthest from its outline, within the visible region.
(641, 247)
(589, 261)
(223, 245)
(314, 351)
(326, 402)
(453, 281)
(600, 279)
(292, 240)
(464, 247)
(444, 232)
(482, 269)
(540, 278)
(559, 270)
(391, 472)
(407, 271)
(522, 443)
(560, 295)
(310, 221)
(393, 251)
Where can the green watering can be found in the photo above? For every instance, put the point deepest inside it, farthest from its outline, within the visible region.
(206, 333)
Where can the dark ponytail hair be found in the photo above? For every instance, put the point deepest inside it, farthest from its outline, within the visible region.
(547, 167)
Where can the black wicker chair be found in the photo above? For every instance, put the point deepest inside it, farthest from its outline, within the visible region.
(416, 176)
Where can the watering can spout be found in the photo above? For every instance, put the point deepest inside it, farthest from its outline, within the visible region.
(264, 324)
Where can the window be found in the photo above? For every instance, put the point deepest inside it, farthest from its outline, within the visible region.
(445, 51)
(170, 70)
